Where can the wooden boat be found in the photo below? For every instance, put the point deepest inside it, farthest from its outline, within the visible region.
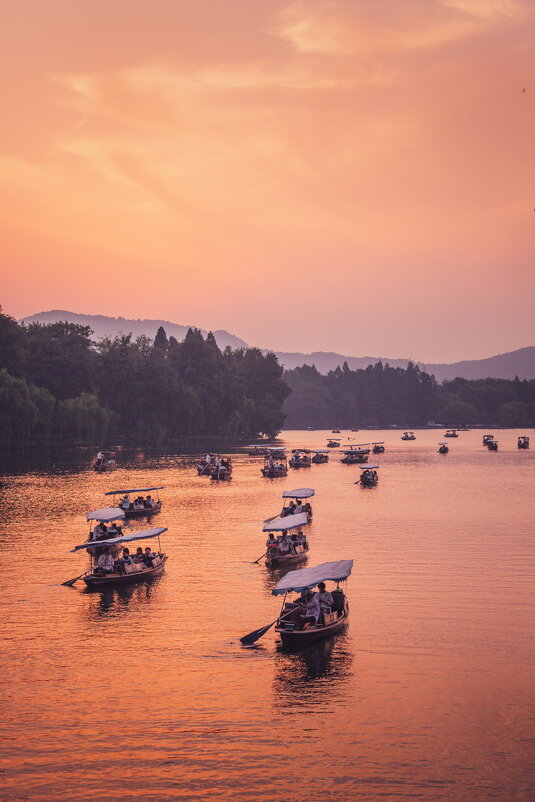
(300, 458)
(443, 448)
(408, 436)
(222, 470)
(206, 463)
(332, 443)
(105, 462)
(369, 477)
(297, 494)
(378, 448)
(354, 429)
(288, 625)
(355, 454)
(523, 442)
(492, 445)
(275, 463)
(335, 431)
(487, 438)
(320, 456)
(93, 578)
(136, 508)
(451, 433)
(300, 548)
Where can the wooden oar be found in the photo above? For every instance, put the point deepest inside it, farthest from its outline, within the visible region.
(252, 637)
(262, 555)
(71, 582)
(268, 520)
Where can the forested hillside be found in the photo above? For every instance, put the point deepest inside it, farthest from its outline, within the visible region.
(381, 395)
(56, 383)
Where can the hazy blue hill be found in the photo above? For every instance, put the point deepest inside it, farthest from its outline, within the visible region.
(104, 326)
(519, 363)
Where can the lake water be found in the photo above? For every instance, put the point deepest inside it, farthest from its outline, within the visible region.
(146, 693)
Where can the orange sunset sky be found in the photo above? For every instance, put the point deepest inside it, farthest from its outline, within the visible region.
(355, 175)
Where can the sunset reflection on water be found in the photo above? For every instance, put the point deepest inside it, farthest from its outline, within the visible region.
(144, 691)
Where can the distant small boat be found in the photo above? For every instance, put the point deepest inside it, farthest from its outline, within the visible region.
(287, 551)
(451, 433)
(292, 627)
(320, 456)
(523, 442)
(300, 458)
(331, 443)
(221, 470)
(335, 431)
(204, 466)
(355, 454)
(275, 463)
(369, 476)
(105, 462)
(378, 448)
(139, 507)
(492, 445)
(408, 436)
(443, 448)
(487, 438)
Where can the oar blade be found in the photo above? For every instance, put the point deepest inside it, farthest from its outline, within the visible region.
(252, 637)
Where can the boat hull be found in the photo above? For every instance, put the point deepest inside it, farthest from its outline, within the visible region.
(282, 562)
(109, 580)
(144, 512)
(320, 460)
(301, 638)
(272, 473)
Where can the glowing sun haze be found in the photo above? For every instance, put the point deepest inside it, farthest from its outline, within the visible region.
(354, 175)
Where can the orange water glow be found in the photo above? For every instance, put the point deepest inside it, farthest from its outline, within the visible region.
(232, 155)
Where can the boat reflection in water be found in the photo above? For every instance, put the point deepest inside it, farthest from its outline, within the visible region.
(118, 600)
(303, 678)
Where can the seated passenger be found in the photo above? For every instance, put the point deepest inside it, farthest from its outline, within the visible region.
(148, 557)
(325, 598)
(311, 612)
(149, 501)
(125, 502)
(138, 557)
(124, 560)
(307, 508)
(100, 531)
(271, 543)
(301, 537)
(105, 562)
(115, 531)
(286, 545)
(298, 507)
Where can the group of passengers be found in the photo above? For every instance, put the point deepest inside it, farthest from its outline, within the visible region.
(107, 562)
(283, 545)
(103, 532)
(310, 608)
(368, 476)
(213, 461)
(294, 508)
(139, 503)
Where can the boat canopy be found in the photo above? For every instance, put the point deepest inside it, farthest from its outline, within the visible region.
(105, 515)
(369, 467)
(288, 522)
(443, 443)
(304, 578)
(276, 448)
(132, 490)
(321, 451)
(378, 443)
(300, 492)
(114, 541)
(355, 451)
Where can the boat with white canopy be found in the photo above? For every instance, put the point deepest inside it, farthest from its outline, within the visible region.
(333, 442)
(369, 476)
(138, 507)
(487, 439)
(408, 436)
(355, 454)
(221, 469)
(321, 456)
(300, 458)
(105, 539)
(308, 619)
(285, 549)
(492, 445)
(275, 463)
(451, 433)
(297, 495)
(378, 448)
(335, 431)
(443, 448)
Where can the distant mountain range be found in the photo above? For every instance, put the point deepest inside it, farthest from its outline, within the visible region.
(519, 363)
(104, 326)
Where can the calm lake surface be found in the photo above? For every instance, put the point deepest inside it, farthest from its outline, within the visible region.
(146, 693)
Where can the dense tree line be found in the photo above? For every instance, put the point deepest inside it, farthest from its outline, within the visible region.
(56, 383)
(381, 396)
